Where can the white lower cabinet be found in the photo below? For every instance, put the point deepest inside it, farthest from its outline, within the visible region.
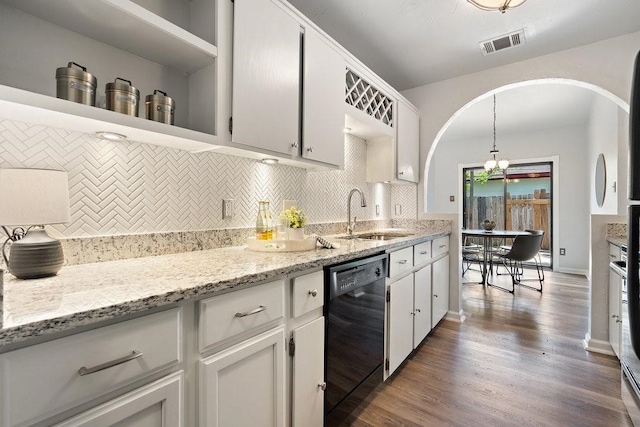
(615, 312)
(158, 404)
(417, 301)
(307, 390)
(440, 285)
(400, 321)
(244, 384)
(421, 304)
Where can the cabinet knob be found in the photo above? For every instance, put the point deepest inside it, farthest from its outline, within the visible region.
(435, 295)
(310, 150)
(424, 253)
(322, 386)
(418, 310)
(401, 173)
(294, 145)
(313, 292)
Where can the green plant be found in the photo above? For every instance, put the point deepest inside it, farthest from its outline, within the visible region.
(293, 217)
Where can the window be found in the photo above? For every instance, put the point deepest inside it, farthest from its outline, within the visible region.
(518, 198)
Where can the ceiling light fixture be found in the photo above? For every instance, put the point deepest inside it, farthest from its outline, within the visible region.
(501, 5)
(111, 136)
(492, 163)
(270, 161)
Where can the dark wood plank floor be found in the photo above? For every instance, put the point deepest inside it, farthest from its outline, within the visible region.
(517, 360)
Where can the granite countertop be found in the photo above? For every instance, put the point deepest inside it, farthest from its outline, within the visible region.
(90, 293)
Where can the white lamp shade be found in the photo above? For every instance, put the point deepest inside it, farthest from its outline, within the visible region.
(490, 164)
(503, 163)
(33, 197)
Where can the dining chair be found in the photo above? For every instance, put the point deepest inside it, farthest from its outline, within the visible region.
(471, 252)
(524, 248)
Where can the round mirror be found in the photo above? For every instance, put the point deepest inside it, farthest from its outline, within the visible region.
(601, 180)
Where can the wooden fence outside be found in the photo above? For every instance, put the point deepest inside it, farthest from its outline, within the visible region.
(522, 214)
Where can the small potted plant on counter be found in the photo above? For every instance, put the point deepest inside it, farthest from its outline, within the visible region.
(293, 221)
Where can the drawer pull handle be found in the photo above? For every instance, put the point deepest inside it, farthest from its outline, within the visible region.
(424, 253)
(322, 386)
(86, 371)
(252, 312)
(417, 310)
(313, 293)
(443, 246)
(402, 261)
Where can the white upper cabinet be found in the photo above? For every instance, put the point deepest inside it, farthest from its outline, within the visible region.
(266, 77)
(408, 143)
(396, 159)
(323, 112)
(162, 47)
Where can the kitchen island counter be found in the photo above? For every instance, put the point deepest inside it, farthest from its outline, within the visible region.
(85, 295)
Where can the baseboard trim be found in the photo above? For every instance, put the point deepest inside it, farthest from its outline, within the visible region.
(456, 317)
(597, 346)
(573, 271)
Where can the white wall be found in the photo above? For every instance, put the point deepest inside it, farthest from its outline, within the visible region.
(607, 64)
(572, 201)
(603, 138)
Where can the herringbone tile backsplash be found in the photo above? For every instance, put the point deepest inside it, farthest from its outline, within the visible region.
(127, 187)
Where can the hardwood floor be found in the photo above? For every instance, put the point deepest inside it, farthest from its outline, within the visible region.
(517, 360)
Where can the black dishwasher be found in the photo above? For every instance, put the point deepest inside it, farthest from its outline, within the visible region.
(354, 347)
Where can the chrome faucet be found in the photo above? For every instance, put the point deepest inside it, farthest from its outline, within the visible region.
(352, 225)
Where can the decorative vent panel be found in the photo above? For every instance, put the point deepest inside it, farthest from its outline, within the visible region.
(505, 41)
(367, 98)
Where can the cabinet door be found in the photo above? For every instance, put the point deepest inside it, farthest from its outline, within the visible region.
(422, 304)
(615, 312)
(266, 76)
(408, 144)
(307, 394)
(244, 385)
(323, 112)
(158, 404)
(440, 284)
(400, 334)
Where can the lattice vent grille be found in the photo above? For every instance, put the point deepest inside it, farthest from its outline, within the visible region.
(366, 97)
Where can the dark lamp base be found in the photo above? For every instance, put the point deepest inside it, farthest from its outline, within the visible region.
(36, 255)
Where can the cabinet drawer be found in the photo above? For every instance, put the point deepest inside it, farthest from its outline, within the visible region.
(421, 253)
(45, 379)
(228, 315)
(614, 252)
(440, 246)
(400, 261)
(307, 293)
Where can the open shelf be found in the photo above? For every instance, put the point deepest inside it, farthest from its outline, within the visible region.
(30, 107)
(127, 26)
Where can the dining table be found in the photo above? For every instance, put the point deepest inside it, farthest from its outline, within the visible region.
(488, 236)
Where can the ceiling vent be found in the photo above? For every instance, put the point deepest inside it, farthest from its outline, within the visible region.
(505, 41)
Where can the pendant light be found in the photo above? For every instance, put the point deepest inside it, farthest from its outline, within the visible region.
(492, 163)
(501, 5)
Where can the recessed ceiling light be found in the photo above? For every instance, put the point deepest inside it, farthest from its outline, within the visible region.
(111, 136)
(270, 161)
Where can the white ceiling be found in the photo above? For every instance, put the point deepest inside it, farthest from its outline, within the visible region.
(522, 110)
(410, 43)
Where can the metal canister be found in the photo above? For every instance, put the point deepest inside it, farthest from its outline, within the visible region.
(75, 84)
(122, 97)
(159, 107)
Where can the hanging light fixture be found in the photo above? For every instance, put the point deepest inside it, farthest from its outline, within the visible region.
(492, 163)
(501, 5)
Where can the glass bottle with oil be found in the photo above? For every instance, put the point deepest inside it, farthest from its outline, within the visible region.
(264, 221)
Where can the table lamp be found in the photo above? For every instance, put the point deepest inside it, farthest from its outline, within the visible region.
(30, 199)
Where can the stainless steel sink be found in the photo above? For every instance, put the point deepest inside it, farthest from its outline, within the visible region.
(377, 235)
